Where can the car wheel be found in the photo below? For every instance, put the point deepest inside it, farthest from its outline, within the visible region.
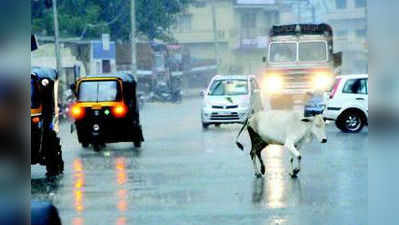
(350, 122)
(205, 125)
(217, 125)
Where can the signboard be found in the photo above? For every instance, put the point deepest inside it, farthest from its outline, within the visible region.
(105, 39)
(255, 2)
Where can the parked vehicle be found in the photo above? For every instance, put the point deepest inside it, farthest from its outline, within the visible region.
(348, 103)
(45, 144)
(230, 99)
(106, 110)
(315, 105)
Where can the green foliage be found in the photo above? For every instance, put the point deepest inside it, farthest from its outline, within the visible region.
(91, 18)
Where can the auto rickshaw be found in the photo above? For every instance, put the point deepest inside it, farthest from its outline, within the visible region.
(45, 144)
(106, 110)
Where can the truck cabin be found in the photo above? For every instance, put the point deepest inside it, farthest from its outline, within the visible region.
(300, 44)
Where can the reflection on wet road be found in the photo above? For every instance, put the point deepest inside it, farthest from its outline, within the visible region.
(184, 175)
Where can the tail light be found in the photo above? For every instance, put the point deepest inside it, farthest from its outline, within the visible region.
(335, 88)
(35, 119)
(77, 112)
(119, 110)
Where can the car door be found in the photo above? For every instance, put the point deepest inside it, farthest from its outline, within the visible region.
(355, 94)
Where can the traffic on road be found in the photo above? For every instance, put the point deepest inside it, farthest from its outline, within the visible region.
(151, 121)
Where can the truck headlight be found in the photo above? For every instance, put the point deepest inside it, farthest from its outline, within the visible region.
(322, 81)
(272, 84)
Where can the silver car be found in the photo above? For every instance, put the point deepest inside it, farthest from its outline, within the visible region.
(230, 99)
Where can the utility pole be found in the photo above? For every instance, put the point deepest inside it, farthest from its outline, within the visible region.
(215, 37)
(133, 35)
(57, 50)
(299, 12)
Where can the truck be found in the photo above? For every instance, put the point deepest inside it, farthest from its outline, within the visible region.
(299, 60)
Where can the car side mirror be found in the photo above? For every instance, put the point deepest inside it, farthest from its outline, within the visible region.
(203, 93)
(264, 59)
(337, 59)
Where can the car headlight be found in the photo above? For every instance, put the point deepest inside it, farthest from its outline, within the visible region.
(322, 81)
(272, 84)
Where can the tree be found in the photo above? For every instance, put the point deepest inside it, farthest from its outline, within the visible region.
(90, 18)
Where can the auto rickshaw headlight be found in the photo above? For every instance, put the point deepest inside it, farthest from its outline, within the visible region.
(77, 112)
(45, 82)
(119, 110)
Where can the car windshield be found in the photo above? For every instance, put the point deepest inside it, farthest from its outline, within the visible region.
(312, 51)
(98, 91)
(229, 87)
(283, 52)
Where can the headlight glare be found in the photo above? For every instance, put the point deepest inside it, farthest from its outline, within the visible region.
(322, 81)
(272, 84)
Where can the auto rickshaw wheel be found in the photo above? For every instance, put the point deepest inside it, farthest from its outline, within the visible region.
(85, 144)
(96, 147)
(137, 144)
(54, 162)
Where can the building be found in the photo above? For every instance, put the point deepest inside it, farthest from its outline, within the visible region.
(349, 21)
(241, 30)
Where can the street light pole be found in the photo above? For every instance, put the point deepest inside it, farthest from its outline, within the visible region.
(215, 38)
(133, 35)
(57, 48)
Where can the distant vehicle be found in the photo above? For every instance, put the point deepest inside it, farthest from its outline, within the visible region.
(230, 99)
(315, 105)
(299, 59)
(45, 144)
(348, 103)
(106, 110)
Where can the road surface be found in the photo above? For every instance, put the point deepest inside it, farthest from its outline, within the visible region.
(186, 176)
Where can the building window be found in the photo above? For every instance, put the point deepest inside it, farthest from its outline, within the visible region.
(199, 4)
(184, 23)
(340, 4)
(248, 20)
(341, 33)
(361, 33)
(360, 3)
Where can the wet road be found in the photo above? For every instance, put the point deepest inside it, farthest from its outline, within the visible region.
(184, 175)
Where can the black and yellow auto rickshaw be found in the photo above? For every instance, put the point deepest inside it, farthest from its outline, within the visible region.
(45, 144)
(106, 110)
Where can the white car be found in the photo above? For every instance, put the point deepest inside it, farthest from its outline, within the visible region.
(230, 99)
(348, 103)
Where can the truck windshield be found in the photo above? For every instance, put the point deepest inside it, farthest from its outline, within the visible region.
(229, 87)
(283, 52)
(98, 91)
(312, 51)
